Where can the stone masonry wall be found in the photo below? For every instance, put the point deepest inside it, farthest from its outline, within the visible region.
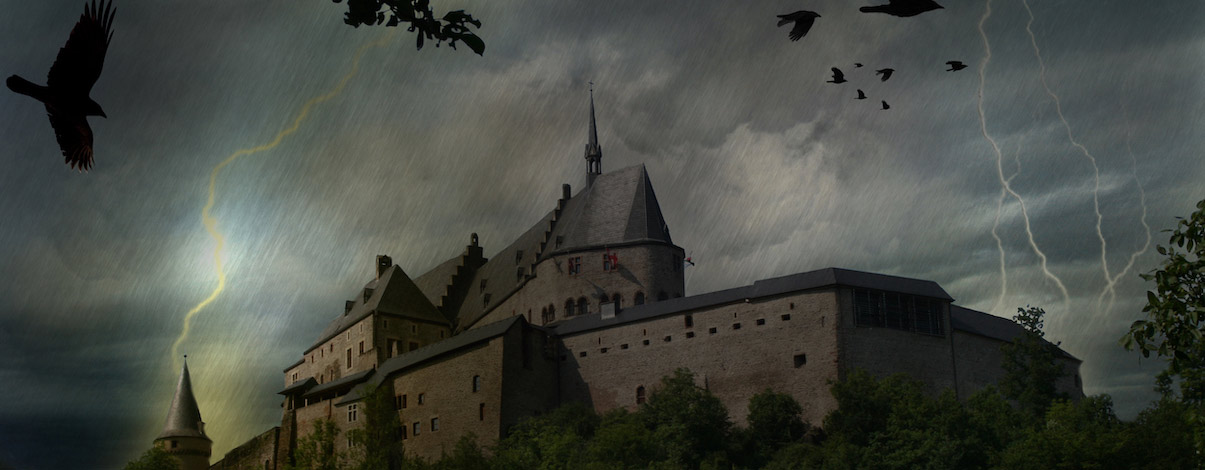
(787, 343)
(259, 453)
(978, 361)
(886, 351)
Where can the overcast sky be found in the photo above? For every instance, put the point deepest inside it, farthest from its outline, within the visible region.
(762, 169)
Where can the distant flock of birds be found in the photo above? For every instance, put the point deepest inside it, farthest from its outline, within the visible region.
(804, 19)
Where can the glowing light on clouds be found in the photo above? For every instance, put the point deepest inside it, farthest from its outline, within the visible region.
(211, 223)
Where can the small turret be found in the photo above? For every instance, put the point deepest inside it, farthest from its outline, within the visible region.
(183, 434)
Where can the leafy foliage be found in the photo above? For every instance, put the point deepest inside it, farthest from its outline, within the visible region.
(689, 423)
(378, 444)
(316, 451)
(1175, 325)
(1031, 366)
(453, 27)
(154, 458)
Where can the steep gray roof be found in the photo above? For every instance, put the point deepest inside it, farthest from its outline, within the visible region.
(434, 283)
(990, 326)
(184, 417)
(619, 207)
(392, 293)
(822, 278)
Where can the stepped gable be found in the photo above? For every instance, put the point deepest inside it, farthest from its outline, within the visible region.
(990, 326)
(184, 417)
(392, 292)
(434, 283)
(500, 275)
(618, 208)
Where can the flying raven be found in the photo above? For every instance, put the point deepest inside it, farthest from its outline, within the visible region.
(803, 22)
(955, 66)
(838, 77)
(861, 96)
(71, 77)
(886, 73)
(886, 106)
(903, 7)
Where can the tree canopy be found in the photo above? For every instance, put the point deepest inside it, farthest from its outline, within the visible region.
(453, 27)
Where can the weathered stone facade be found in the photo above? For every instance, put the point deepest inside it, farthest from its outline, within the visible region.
(587, 306)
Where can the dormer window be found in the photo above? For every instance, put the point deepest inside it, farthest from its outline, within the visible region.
(559, 241)
(519, 273)
(485, 299)
(367, 294)
(483, 285)
(518, 256)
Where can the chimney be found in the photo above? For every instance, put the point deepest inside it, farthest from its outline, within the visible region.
(383, 263)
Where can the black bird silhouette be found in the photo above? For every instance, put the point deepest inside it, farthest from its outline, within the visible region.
(857, 64)
(885, 106)
(903, 7)
(955, 66)
(803, 22)
(838, 77)
(861, 96)
(70, 80)
(886, 73)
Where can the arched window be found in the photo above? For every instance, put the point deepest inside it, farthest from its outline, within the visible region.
(583, 306)
(569, 308)
(615, 300)
(640, 298)
(640, 395)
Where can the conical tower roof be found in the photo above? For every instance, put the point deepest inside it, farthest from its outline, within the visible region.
(183, 418)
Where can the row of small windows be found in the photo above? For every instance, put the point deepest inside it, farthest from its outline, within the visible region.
(402, 401)
(689, 321)
(898, 311)
(581, 305)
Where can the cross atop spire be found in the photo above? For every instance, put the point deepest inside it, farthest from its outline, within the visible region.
(593, 150)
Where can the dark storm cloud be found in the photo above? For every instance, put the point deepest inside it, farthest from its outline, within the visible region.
(761, 168)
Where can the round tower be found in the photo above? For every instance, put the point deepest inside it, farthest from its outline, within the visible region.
(183, 434)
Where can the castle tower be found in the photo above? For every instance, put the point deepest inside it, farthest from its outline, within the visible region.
(593, 150)
(183, 434)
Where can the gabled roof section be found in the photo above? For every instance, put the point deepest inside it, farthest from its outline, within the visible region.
(619, 207)
(435, 282)
(433, 351)
(392, 293)
(184, 417)
(990, 326)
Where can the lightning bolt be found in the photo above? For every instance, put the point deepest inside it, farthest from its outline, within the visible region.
(1004, 183)
(211, 222)
(995, 235)
(1058, 106)
(1142, 199)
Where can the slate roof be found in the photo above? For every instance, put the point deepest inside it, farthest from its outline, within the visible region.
(822, 278)
(183, 418)
(392, 293)
(990, 326)
(432, 351)
(618, 208)
(346, 380)
(434, 283)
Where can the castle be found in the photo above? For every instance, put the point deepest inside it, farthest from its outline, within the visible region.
(587, 306)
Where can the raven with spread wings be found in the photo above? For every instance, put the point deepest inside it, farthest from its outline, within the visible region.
(70, 80)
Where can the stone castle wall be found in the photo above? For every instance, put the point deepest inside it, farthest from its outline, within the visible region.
(259, 453)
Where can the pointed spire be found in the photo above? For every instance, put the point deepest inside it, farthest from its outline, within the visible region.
(183, 418)
(593, 150)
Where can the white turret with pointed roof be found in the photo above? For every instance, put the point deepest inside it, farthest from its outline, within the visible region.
(183, 433)
(593, 150)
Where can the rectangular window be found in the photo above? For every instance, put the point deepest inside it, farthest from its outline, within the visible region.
(623, 346)
(575, 265)
(690, 321)
(736, 326)
(422, 398)
(418, 427)
(711, 331)
(646, 342)
(361, 347)
(397, 402)
(690, 334)
(761, 321)
(481, 412)
(349, 358)
(434, 424)
(351, 413)
(476, 383)
(786, 317)
(404, 433)
(403, 401)
(518, 256)
(294, 376)
(897, 311)
(800, 360)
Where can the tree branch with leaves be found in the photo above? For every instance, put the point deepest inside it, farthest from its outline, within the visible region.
(453, 27)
